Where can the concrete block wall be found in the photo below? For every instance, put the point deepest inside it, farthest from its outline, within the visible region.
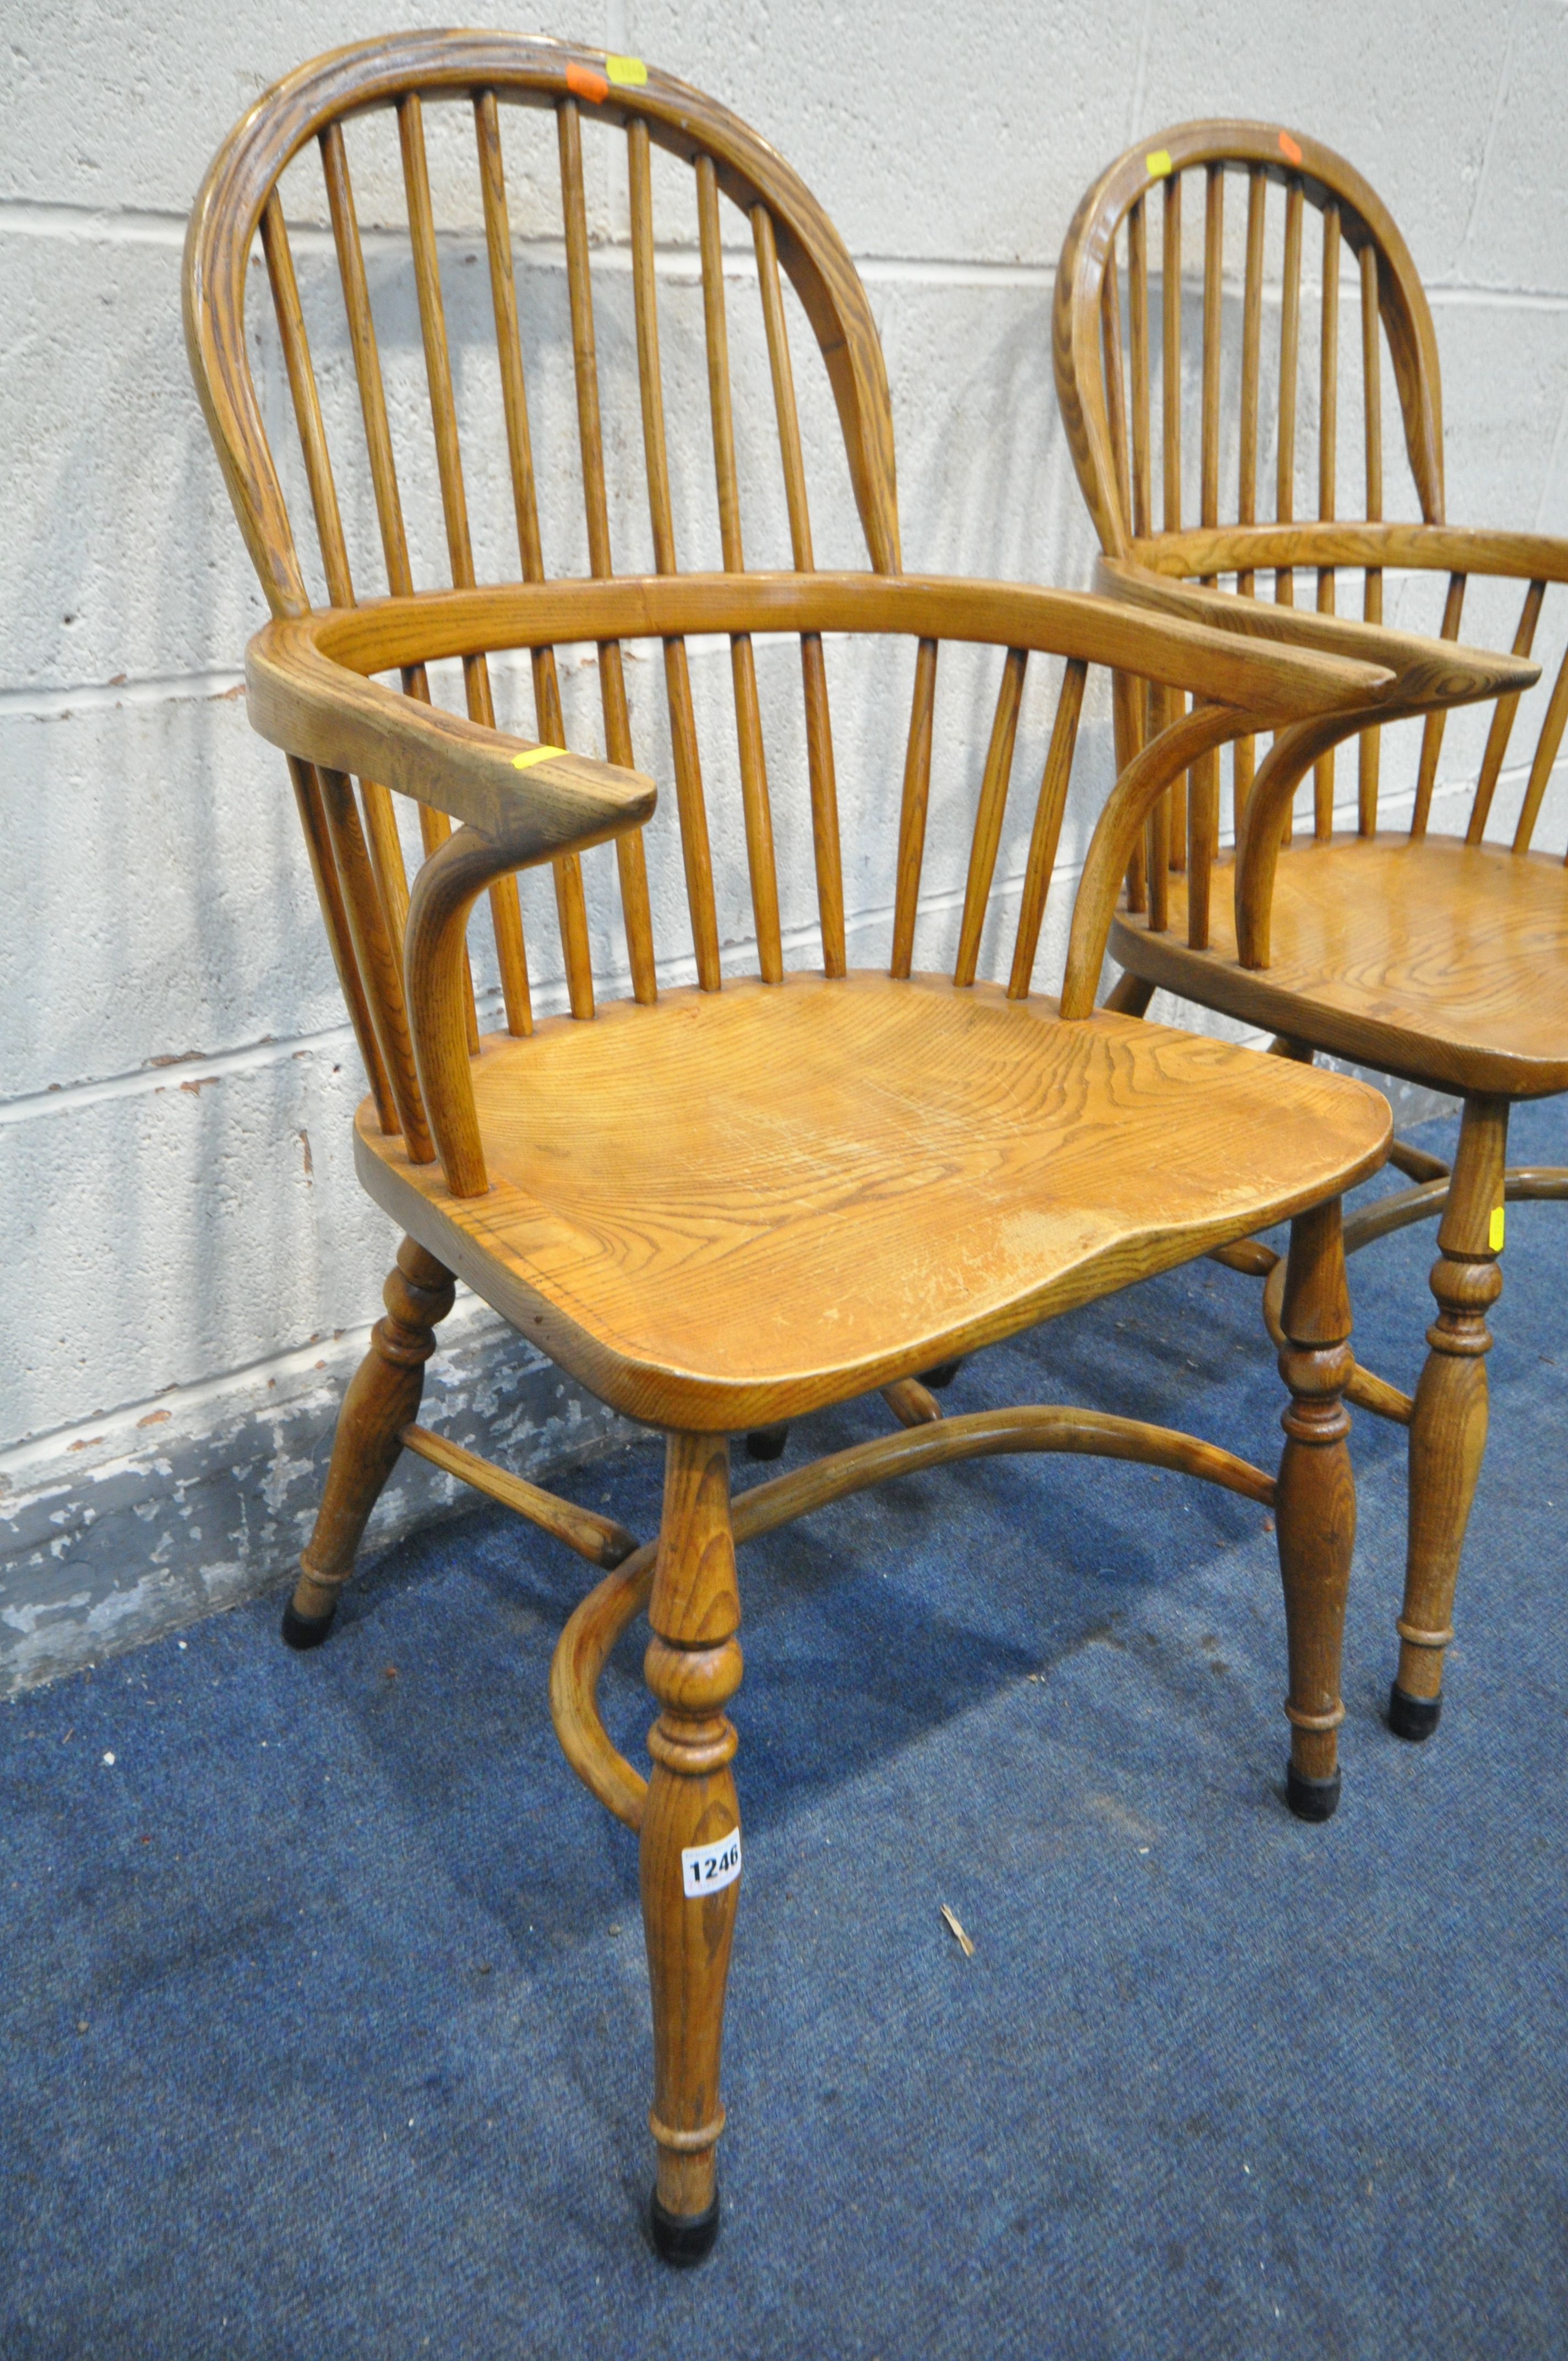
(190, 1268)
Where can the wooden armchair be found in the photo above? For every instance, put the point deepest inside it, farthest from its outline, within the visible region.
(720, 1206)
(1439, 956)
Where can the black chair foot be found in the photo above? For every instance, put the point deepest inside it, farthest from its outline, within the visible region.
(1412, 1717)
(307, 1630)
(942, 1376)
(682, 2239)
(766, 1443)
(1311, 1799)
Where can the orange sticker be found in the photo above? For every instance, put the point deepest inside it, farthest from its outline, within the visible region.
(1157, 164)
(584, 83)
(1288, 148)
(535, 755)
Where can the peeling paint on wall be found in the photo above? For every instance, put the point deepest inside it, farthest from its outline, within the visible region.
(148, 1521)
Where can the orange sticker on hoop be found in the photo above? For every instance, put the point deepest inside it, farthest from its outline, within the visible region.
(1289, 149)
(1156, 164)
(526, 762)
(584, 82)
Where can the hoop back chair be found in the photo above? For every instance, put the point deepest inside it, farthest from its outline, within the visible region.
(1437, 954)
(721, 1205)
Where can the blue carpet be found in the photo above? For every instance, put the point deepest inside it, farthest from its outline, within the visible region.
(323, 2004)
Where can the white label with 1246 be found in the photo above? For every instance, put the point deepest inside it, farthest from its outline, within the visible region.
(706, 1867)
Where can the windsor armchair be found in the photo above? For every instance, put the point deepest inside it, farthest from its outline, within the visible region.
(718, 1205)
(1438, 954)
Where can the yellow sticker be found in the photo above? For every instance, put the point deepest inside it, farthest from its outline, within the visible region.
(535, 755)
(1495, 1235)
(1157, 164)
(630, 72)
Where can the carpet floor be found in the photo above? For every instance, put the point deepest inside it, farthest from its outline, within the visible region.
(324, 2012)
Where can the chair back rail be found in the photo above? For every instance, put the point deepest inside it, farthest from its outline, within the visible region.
(1106, 365)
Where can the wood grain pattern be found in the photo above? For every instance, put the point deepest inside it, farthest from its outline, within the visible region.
(1442, 962)
(693, 1667)
(1056, 1162)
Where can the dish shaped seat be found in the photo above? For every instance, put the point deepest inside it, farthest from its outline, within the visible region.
(1423, 956)
(730, 1207)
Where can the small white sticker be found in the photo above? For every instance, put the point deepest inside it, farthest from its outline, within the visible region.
(704, 1867)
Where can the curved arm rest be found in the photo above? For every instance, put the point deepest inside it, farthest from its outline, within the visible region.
(1220, 666)
(434, 978)
(1425, 672)
(322, 711)
(1440, 548)
(1126, 807)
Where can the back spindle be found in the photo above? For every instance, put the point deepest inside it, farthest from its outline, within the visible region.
(988, 818)
(1503, 720)
(692, 807)
(755, 807)
(1431, 732)
(818, 726)
(1243, 755)
(1046, 834)
(630, 858)
(912, 811)
(382, 828)
(1115, 396)
(1545, 756)
(1126, 711)
(1371, 744)
(1327, 437)
(1138, 343)
(505, 913)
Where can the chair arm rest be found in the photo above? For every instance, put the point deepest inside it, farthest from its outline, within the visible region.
(1222, 667)
(321, 712)
(1172, 646)
(1203, 551)
(1426, 672)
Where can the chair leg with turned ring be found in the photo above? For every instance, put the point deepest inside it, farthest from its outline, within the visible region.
(382, 1399)
(1315, 1513)
(1448, 1425)
(690, 1846)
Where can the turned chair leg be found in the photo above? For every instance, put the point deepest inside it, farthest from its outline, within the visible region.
(1315, 1509)
(382, 1399)
(691, 1835)
(1448, 1425)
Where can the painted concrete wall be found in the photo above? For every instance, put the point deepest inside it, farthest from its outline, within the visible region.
(183, 1235)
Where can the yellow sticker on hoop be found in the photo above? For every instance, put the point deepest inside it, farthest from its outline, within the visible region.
(630, 72)
(535, 755)
(1495, 1234)
(1156, 163)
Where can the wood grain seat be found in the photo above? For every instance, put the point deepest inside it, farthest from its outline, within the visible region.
(761, 1199)
(1428, 957)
